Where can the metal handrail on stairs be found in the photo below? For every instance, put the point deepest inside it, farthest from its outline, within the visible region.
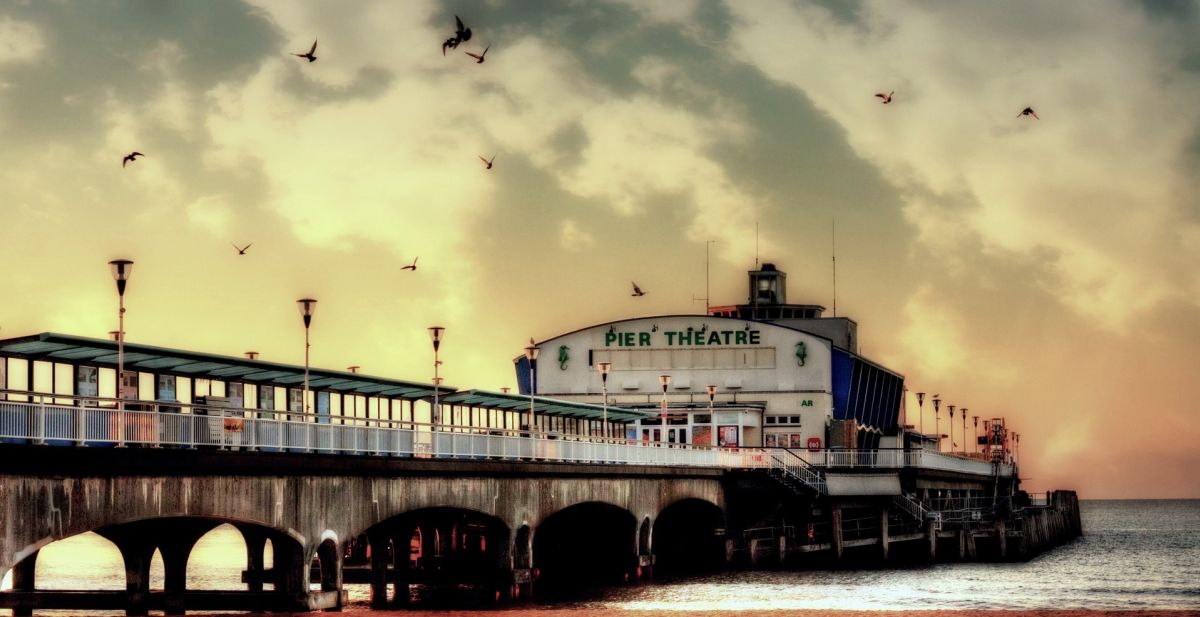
(791, 465)
(911, 505)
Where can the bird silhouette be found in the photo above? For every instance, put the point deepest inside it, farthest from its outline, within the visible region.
(637, 291)
(887, 98)
(1028, 111)
(412, 266)
(488, 162)
(310, 55)
(461, 34)
(132, 156)
(479, 57)
(241, 250)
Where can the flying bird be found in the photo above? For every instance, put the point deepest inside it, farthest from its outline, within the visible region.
(479, 57)
(241, 250)
(1028, 111)
(311, 53)
(132, 156)
(461, 34)
(887, 98)
(487, 161)
(637, 291)
(412, 266)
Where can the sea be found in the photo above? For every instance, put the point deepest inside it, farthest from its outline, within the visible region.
(1141, 555)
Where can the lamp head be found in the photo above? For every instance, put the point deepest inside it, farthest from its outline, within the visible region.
(712, 391)
(435, 334)
(121, 269)
(665, 380)
(531, 352)
(604, 368)
(307, 307)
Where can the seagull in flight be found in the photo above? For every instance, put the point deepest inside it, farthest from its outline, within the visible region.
(412, 266)
(1028, 111)
(637, 291)
(132, 156)
(461, 35)
(488, 162)
(887, 98)
(479, 57)
(311, 53)
(241, 250)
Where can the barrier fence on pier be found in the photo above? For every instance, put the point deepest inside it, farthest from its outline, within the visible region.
(71, 421)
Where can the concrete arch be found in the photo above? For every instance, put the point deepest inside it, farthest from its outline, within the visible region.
(689, 537)
(605, 533)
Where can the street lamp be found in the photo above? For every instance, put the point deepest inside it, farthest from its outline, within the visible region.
(307, 306)
(712, 392)
(1016, 448)
(531, 354)
(921, 412)
(937, 403)
(665, 379)
(604, 367)
(435, 334)
(975, 419)
(963, 411)
(951, 428)
(121, 269)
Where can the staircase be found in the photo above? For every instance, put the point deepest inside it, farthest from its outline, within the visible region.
(794, 472)
(910, 504)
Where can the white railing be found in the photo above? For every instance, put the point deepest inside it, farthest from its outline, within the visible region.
(65, 420)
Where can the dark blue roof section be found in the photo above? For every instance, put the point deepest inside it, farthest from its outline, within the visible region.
(865, 392)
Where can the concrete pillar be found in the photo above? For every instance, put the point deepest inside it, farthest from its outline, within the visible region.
(176, 539)
(962, 545)
(931, 534)
(971, 552)
(291, 573)
(782, 545)
(836, 527)
(883, 534)
(136, 543)
(23, 580)
(1002, 538)
(379, 569)
(256, 542)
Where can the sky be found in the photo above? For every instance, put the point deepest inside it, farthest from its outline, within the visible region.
(1043, 270)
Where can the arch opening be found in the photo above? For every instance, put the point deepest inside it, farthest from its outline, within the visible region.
(689, 538)
(584, 546)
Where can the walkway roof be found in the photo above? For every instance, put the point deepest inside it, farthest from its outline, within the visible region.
(52, 347)
(543, 405)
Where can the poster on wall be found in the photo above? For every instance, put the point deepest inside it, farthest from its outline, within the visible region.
(727, 436)
(702, 436)
(166, 387)
(129, 385)
(770, 440)
(87, 380)
(797, 441)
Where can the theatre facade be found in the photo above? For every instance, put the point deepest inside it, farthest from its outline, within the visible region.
(773, 383)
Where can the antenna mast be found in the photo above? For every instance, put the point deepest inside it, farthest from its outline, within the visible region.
(755, 245)
(707, 293)
(835, 267)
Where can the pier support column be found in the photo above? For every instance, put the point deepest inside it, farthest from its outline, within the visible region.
(137, 549)
(176, 540)
(836, 528)
(1002, 538)
(256, 543)
(971, 553)
(379, 569)
(883, 534)
(931, 534)
(291, 573)
(962, 545)
(23, 580)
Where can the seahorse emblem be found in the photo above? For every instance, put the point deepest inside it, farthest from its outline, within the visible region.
(563, 356)
(801, 353)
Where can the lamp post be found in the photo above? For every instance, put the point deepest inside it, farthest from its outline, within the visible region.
(121, 269)
(1016, 448)
(951, 428)
(712, 393)
(531, 354)
(604, 367)
(963, 411)
(975, 419)
(921, 412)
(665, 380)
(307, 306)
(435, 335)
(937, 403)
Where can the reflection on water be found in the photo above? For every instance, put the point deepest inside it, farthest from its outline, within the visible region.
(1134, 555)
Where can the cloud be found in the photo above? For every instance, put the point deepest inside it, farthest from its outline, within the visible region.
(1092, 180)
(574, 238)
(20, 41)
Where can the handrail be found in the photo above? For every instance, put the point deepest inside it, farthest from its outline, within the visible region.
(910, 504)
